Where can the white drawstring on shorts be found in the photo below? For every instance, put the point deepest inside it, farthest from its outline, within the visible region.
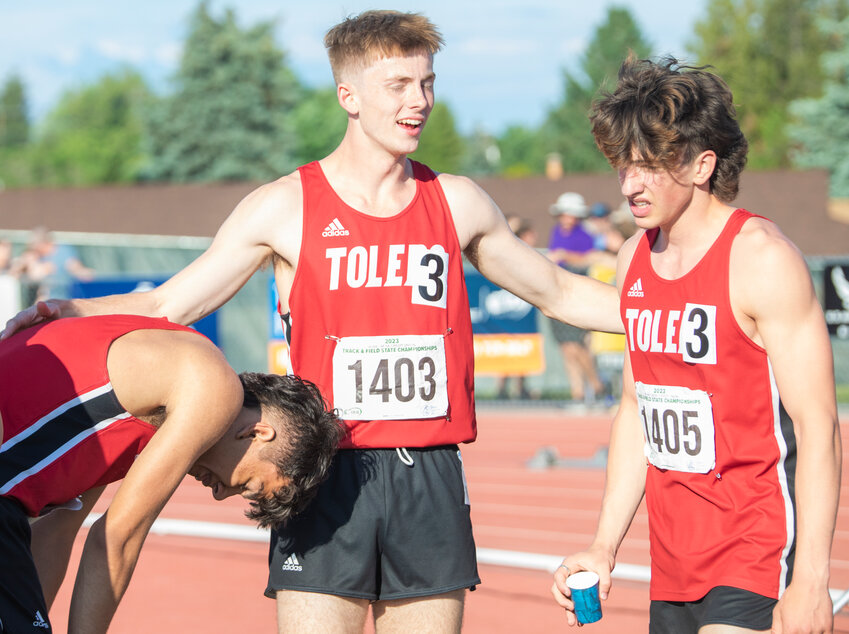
(404, 456)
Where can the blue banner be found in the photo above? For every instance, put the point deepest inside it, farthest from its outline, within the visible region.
(495, 310)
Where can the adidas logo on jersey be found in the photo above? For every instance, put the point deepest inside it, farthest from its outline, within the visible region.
(335, 228)
(292, 563)
(636, 289)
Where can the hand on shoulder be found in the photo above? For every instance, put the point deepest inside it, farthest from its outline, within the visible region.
(31, 316)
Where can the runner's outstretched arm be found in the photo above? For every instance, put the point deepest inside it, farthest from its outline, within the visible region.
(504, 259)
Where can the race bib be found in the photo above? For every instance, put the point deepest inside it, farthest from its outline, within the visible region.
(390, 378)
(678, 427)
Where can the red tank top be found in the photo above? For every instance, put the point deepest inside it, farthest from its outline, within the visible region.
(721, 449)
(64, 431)
(380, 317)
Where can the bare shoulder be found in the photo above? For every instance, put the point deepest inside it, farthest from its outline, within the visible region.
(475, 214)
(269, 217)
(762, 249)
(148, 367)
(280, 198)
(768, 271)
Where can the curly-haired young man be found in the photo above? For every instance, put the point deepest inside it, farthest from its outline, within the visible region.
(728, 421)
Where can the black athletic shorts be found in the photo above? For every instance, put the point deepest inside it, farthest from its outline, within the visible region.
(386, 524)
(723, 605)
(22, 604)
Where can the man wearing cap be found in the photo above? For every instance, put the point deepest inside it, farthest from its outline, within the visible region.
(569, 241)
(573, 248)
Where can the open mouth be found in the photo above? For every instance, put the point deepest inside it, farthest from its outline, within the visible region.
(410, 124)
(639, 207)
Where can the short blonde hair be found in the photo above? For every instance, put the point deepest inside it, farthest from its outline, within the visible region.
(359, 40)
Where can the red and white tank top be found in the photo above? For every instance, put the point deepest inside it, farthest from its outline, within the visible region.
(380, 317)
(64, 431)
(720, 447)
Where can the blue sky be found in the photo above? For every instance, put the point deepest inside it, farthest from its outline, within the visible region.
(502, 63)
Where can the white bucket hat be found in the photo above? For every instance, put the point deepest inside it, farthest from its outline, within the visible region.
(570, 203)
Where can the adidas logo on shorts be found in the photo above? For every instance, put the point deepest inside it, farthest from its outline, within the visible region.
(335, 228)
(39, 621)
(292, 563)
(636, 289)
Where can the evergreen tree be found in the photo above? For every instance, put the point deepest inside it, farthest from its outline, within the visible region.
(14, 123)
(768, 52)
(567, 128)
(821, 128)
(319, 123)
(230, 117)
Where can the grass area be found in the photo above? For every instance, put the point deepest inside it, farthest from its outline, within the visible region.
(843, 394)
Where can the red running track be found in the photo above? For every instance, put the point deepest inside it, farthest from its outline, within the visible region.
(192, 584)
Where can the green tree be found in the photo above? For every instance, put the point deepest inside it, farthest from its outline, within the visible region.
(482, 155)
(567, 127)
(230, 115)
(14, 122)
(821, 125)
(768, 52)
(441, 146)
(319, 123)
(522, 151)
(94, 135)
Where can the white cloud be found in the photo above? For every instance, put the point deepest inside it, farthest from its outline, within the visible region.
(118, 51)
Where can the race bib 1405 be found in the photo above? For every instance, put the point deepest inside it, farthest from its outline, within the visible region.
(678, 427)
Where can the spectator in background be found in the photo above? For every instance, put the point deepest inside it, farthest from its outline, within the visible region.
(5, 256)
(48, 269)
(607, 236)
(570, 244)
(623, 220)
(9, 291)
(606, 349)
(525, 231)
(572, 247)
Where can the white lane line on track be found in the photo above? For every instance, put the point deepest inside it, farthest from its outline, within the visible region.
(492, 556)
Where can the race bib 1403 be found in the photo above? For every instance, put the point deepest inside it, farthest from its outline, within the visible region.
(390, 378)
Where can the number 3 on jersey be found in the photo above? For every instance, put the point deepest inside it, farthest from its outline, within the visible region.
(428, 274)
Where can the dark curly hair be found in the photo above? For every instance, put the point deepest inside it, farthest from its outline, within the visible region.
(311, 433)
(661, 115)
